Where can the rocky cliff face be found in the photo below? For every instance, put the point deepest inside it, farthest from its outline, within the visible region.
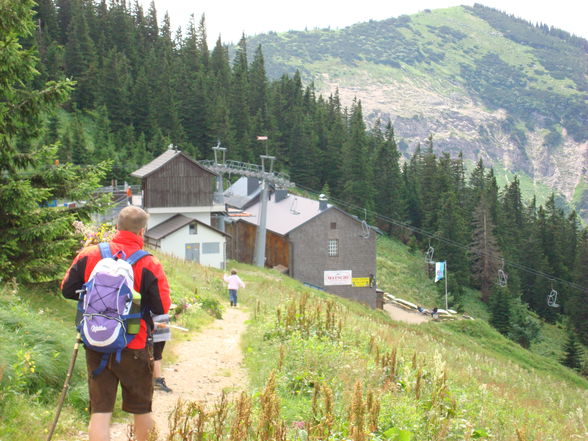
(460, 124)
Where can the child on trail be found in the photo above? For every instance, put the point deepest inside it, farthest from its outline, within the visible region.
(161, 334)
(234, 283)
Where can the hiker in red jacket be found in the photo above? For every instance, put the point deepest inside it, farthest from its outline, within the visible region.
(134, 372)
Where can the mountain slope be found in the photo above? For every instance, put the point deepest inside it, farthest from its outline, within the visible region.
(435, 381)
(482, 82)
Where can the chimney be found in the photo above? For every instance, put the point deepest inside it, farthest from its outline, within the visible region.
(281, 194)
(322, 202)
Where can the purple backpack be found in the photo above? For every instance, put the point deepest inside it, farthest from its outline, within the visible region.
(105, 304)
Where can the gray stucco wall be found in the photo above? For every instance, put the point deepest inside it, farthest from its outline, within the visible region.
(309, 253)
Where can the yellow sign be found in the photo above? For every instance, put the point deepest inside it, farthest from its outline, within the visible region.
(360, 282)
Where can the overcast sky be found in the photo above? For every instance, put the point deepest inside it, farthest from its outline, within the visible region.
(232, 18)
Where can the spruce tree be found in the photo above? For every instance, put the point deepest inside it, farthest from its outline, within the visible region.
(452, 228)
(356, 171)
(500, 310)
(572, 351)
(36, 239)
(389, 186)
(80, 58)
(332, 142)
(239, 104)
(578, 304)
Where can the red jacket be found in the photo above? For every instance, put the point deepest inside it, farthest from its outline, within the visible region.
(150, 279)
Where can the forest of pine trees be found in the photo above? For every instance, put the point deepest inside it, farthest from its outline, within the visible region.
(140, 85)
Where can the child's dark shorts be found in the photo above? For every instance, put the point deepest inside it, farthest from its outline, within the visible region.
(134, 373)
(158, 350)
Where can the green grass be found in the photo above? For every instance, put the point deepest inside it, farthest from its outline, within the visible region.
(450, 381)
(493, 386)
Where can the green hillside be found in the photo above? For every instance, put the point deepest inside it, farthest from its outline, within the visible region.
(482, 82)
(508, 63)
(325, 361)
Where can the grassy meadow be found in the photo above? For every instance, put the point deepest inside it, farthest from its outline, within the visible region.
(320, 367)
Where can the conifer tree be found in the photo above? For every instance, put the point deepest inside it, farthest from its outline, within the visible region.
(258, 86)
(80, 58)
(414, 203)
(203, 43)
(578, 304)
(151, 26)
(79, 152)
(356, 170)
(35, 239)
(573, 354)
(453, 229)
(511, 222)
(116, 89)
(64, 13)
(143, 103)
(500, 310)
(193, 91)
(390, 191)
(239, 103)
(332, 142)
(428, 178)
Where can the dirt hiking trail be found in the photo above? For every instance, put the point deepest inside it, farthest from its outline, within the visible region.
(402, 315)
(203, 367)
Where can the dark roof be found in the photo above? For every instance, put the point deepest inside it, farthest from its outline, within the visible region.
(290, 213)
(287, 214)
(162, 159)
(174, 224)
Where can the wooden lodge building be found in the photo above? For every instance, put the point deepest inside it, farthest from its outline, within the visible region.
(311, 241)
(179, 195)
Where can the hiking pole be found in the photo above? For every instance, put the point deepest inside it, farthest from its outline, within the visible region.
(70, 369)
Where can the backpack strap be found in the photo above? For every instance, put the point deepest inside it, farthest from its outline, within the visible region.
(105, 250)
(136, 256)
(102, 365)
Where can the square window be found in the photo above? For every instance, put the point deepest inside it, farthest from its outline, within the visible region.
(193, 228)
(333, 225)
(210, 248)
(333, 247)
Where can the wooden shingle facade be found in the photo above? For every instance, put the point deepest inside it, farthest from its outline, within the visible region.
(175, 180)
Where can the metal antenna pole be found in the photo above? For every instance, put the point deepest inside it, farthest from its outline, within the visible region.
(219, 194)
(261, 230)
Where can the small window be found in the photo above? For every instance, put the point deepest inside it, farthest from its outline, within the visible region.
(333, 247)
(193, 228)
(210, 247)
(333, 225)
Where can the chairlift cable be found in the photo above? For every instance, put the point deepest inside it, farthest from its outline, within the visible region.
(435, 236)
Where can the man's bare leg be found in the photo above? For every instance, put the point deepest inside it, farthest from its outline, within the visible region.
(143, 425)
(99, 427)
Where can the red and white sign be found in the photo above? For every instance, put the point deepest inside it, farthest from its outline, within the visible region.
(338, 277)
(262, 138)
